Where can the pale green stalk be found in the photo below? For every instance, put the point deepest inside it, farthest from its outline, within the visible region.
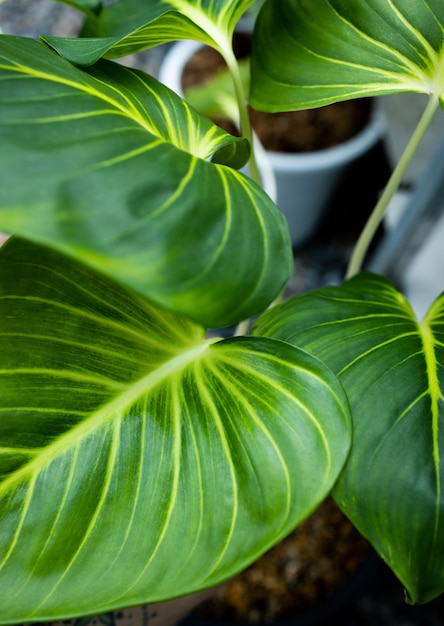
(246, 130)
(375, 219)
(242, 328)
(244, 118)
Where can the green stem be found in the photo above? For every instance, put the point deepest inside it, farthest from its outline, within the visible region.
(369, 231)
(246, 131)
(242, 328)
(244, 118)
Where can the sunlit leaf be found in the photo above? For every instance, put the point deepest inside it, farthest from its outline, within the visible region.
(308, 54)
(138, 460)
(110, 166)
(129, 26)
(391, 366)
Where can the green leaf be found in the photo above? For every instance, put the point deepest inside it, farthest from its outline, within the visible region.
(139, 461)
(109, 166)
(391, 366)
(129, 26)
(307, 54)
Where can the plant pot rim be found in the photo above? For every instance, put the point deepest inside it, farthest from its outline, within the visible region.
(170, 74)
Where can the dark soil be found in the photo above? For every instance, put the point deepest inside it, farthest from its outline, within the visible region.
(314, 129)
(306, 567)
(294, 131)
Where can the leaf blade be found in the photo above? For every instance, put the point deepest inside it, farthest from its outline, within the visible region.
(177, 460)
(339, 51)
(131, 26)
(390, 366)
(108, 165)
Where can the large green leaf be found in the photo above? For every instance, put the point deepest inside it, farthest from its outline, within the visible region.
(110, 166)
(392, 368)
(138, 460)
(128, 26)
(308, 54)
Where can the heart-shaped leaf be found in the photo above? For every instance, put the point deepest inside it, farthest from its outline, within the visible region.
(109, 166)
(133, 25)
(391, 367)
(308, 54)
(139, 461)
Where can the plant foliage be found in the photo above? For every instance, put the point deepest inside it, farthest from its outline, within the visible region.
(132, 25)
(124, 431)
(166, 222)
(391, 366)
(335, 50)
(130, 442)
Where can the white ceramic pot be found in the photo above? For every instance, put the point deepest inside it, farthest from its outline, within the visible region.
(305, 181)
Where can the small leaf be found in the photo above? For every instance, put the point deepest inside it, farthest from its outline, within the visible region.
(308, 54)
(128, 26)
(139, 461)
(391, 367)
(109, 166)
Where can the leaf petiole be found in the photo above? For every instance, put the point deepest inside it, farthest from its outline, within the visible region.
(369, 231)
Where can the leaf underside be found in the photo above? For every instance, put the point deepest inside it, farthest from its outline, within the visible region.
(392, 369)
(124, 28)
(308, 54)
(139, 461)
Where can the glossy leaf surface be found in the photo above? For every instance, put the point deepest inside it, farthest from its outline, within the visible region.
(392, 368)
(308, 54)
(129, 26)
(138, 460)
(110, 167)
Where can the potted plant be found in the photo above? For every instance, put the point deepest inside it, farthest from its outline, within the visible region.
(307, 153)
(125, 432)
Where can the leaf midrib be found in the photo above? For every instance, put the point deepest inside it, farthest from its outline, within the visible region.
(106, 413)
(428, 343)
